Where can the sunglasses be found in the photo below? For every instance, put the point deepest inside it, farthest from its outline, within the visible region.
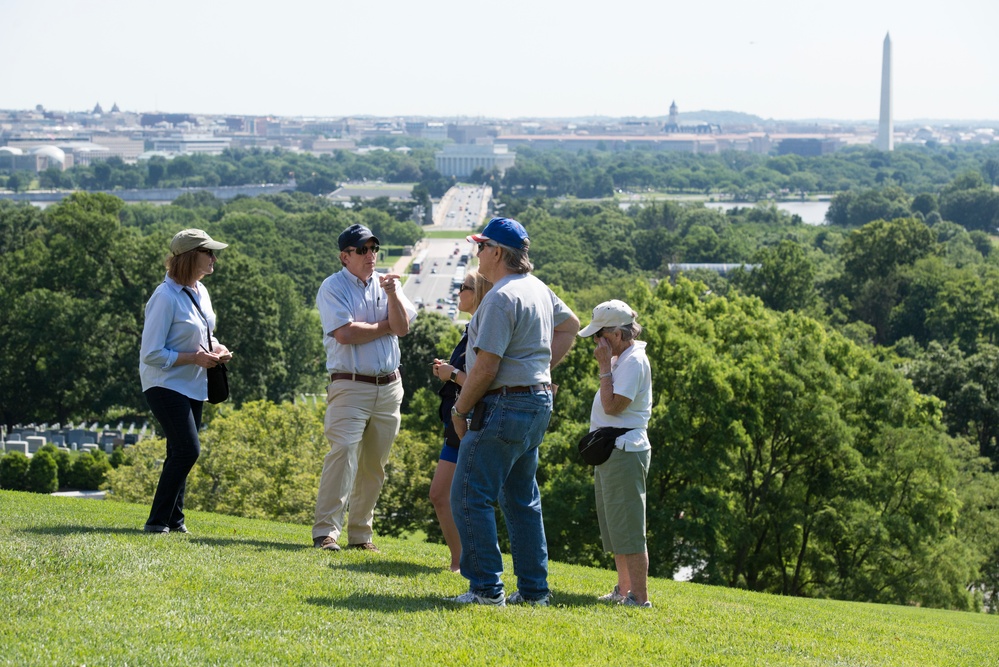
(470, 288)
(363, 250)
(485, 244)
(207, 251)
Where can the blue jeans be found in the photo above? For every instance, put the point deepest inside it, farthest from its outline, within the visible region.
(498, 463)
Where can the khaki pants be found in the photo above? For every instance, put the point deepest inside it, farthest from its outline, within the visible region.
(362, 420)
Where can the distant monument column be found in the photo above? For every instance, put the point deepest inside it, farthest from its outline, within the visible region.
(886, 138)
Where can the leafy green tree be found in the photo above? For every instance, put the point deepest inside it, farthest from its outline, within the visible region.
(136, 482)
(991, 171)
(872, 257)
(976, 209)
(784, 278)
(261, 461)
(420, 347)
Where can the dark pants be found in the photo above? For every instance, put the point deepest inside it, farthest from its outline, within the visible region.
(180, 419)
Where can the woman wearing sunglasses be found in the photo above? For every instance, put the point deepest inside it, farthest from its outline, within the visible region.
(470, 296)
(178, 346)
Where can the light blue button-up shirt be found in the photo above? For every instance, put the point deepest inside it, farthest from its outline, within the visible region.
(173, 325)
(344, 298)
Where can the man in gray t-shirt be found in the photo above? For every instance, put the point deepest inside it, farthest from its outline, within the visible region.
(519, 332)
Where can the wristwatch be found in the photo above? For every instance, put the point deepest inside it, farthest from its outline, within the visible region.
(454, 375)
(455, 413)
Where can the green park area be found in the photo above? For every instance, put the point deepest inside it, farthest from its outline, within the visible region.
(83, 585)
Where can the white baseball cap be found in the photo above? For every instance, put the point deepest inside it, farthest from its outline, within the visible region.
(613, 313)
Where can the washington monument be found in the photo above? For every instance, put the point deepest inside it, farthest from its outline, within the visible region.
(886, 140)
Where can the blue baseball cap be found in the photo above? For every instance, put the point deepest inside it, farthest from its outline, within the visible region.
(505, 231)
(355, 236)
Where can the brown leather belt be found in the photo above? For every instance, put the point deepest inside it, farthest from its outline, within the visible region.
(370, 379)
(529, 389)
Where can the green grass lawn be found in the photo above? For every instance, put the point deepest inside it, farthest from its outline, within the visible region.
(80, 583)
(448, 233)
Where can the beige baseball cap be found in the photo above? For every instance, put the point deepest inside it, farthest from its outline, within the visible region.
(612, 313)
(189, 239)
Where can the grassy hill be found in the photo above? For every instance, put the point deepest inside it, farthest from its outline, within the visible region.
(80, 583)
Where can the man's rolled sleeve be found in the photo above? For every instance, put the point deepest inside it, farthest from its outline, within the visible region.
(334, 308)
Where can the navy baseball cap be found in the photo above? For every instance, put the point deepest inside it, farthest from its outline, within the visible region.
(505, 231)
(355, 236)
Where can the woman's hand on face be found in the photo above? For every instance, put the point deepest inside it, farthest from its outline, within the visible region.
(602, 352)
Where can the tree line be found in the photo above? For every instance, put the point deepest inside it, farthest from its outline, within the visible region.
(550, 173)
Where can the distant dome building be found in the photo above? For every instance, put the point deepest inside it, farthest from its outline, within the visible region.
(9, 157)
(52, 154)
(36, 159)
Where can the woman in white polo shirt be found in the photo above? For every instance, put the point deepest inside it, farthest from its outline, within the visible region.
(624, 400)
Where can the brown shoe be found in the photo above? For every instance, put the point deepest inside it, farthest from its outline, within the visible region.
(327, 543)
(366, 546)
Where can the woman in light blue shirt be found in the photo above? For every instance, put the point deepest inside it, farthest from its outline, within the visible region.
(173, 365)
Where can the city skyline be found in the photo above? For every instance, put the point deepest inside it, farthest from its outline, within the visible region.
(445, 59)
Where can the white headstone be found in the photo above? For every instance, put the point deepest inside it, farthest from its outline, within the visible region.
(17, 446)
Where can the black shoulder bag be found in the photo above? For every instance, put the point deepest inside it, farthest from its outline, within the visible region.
(218, 376)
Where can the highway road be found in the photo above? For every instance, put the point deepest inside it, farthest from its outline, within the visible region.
(463, 207)
(437, 274)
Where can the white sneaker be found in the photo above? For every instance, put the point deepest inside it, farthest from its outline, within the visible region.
(474, 598)
(517, 598)
(614, 596)
(630, 601)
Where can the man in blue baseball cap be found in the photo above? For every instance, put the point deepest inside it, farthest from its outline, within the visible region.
(505, 231)
(520, 331)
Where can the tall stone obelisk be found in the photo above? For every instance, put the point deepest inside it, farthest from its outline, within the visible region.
(886, 138)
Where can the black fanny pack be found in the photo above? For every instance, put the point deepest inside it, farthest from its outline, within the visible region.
(596, 446)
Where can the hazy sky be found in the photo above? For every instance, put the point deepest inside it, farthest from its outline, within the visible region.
(782, 59)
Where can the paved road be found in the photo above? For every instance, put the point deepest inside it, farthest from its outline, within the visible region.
(463, 207)
(435, 279)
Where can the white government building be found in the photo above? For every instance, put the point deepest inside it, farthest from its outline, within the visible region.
(460, 160)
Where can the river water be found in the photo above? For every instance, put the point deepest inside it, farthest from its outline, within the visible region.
(811, 212)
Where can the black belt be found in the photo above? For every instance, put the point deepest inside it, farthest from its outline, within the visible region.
(527, 389)
(370, 379)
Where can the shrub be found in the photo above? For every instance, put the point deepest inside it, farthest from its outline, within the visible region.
(119, 458)
(43, 473)
(63, 460)
(89, 470)
(14, 471)
(136, 482)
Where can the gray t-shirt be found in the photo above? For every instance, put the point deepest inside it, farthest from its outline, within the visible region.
(515, 321)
